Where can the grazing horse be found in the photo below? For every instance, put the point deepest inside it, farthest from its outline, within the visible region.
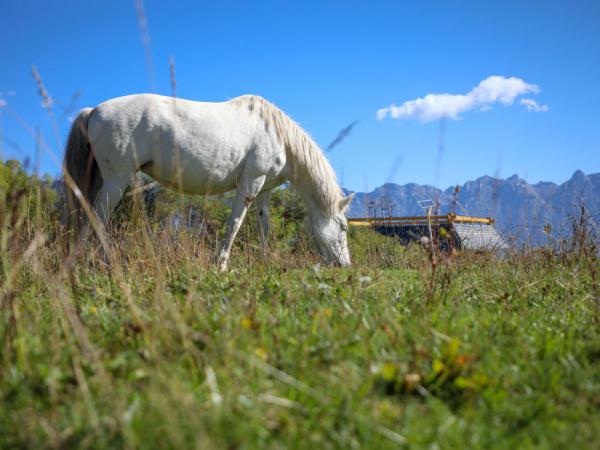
(247, 144)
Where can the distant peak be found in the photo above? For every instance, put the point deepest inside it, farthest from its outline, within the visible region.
(483, 179)
(578, 175)
(545, 183)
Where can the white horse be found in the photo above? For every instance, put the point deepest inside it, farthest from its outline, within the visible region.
(246, 144)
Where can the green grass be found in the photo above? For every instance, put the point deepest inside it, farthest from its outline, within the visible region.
(157, 350)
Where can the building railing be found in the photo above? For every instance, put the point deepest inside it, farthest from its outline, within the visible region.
(418, 220)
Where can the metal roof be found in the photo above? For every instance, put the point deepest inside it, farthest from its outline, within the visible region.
(478, 236)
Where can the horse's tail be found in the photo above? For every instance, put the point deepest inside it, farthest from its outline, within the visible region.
(82, 176)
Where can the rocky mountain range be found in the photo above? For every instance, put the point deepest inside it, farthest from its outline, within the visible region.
(521, 210)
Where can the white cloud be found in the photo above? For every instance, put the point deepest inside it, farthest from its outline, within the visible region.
(494, 89)
(501, 89)
(531, 105)
(2, 103)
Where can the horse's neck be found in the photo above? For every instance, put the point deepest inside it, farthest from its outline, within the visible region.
(318, 191)
(306, 189)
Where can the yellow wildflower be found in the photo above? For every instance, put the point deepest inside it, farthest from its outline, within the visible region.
(261, 353)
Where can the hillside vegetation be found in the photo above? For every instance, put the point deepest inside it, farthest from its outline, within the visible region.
(142, 344)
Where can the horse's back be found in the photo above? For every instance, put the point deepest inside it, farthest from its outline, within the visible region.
(173, 139)
(150, 112)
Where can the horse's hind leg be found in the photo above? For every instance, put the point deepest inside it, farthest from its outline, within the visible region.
(107, 200)
(109, 197)
(247, 190)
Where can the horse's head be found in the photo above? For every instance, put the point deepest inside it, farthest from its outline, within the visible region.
(329, 233)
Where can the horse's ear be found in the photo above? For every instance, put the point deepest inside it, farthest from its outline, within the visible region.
(344, 202)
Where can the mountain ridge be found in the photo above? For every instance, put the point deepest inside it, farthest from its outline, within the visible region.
(521, 210)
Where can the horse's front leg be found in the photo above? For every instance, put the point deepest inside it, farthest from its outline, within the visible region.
(263, 220)
(247, 191)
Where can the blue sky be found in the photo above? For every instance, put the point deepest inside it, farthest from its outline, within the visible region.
(328, 64)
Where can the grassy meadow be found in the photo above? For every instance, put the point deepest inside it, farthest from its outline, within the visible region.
(142, 344)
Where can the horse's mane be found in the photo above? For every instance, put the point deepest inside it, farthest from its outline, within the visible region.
(311, 163)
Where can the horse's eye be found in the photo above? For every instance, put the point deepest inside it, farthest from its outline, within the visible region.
(344, 227)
